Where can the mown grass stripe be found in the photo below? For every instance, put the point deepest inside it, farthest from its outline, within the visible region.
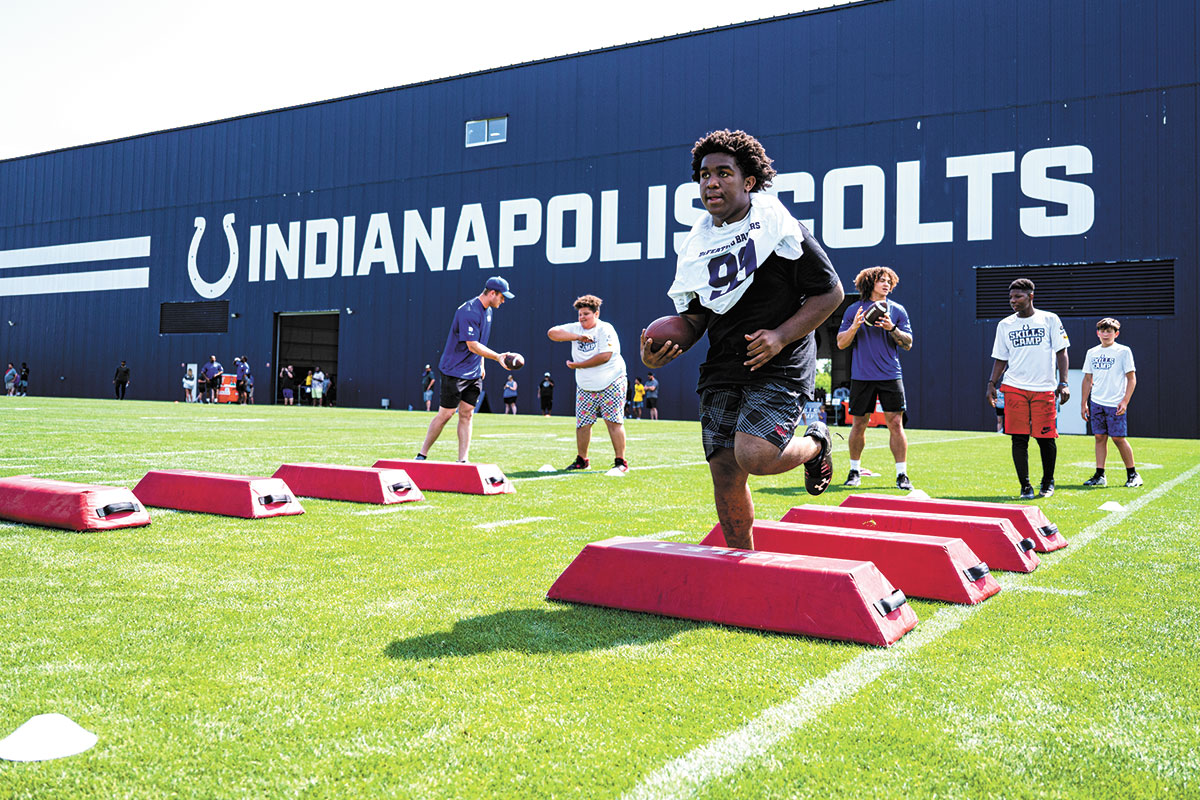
(683, 776)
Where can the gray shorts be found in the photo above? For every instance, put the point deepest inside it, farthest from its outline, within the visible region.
(770, 411)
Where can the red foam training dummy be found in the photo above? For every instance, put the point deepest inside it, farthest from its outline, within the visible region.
(217, 493)
(74, 506)
(451, 476)
(825, 597)
(353, 484)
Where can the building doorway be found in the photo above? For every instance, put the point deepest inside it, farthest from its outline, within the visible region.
(307, 340)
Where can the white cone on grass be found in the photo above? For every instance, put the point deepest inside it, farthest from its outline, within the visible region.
(1112, 505)
(918, 494)
(45, 737)
(547, 468)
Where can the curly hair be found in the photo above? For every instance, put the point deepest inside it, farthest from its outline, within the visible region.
(589, 301)
(747, 151)
(1021, 285)
(865, 280)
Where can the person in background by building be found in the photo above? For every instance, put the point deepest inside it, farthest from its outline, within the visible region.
(120, 381)
(327, 389)
(317, 387)
(249, 380)
(23, 383)
(600, 379)
(510, 395)
(462, 365)
(1109, 378)
(999, 404)
(759, 284)
(875, 372)
(639, 397)
(427, 382)
(211, 373)
(652, 395)
(189, 387)
(287, 384)
(11, 377)
(546, 394)
(1032, 346)
(239, 372)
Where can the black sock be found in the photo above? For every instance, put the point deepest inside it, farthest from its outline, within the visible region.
(1049, 448)
(1100, 471)
(1130, 471)
(1020, 457)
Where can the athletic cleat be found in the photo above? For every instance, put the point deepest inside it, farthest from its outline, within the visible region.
(1096, 480)
(579, 463)
(1134, 481)
(818, 471)
(1026, 493)
(902, 482)
(621, 465)
(1047, 489)
(853, 479)
(420, 457)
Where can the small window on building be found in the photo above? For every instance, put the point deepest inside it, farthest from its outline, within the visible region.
(487, 131)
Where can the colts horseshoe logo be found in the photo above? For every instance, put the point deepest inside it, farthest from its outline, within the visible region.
(203, 287)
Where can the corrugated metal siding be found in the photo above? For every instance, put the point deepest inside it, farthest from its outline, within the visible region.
(875, 83)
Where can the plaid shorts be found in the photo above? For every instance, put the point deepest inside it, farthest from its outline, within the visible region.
(608, 403)
(769, 411)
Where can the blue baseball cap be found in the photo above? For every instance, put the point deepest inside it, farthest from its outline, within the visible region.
(500, 285)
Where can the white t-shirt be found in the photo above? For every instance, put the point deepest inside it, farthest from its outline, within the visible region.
(1107, 366)
(604, 340)
(1028, 344)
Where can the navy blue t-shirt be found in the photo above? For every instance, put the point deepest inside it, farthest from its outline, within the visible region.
(472, 323)
(876, 356)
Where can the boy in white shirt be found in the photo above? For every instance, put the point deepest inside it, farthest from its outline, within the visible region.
(600, 379)
(1109, 379)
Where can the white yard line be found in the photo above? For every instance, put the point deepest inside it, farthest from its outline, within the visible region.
(1017, 587)
(683, 776)
(393, 509)
(654, 537)
(487, 526)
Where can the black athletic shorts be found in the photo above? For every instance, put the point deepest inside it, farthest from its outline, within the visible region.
(460, 390)
(651, 402)
(214, 383)
(863, 394)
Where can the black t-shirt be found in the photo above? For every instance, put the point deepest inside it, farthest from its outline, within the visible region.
(546, 388)
(779, 289)
(286, 380)
(121, 375)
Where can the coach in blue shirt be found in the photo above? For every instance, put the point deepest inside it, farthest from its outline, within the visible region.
(461, 364)
(875, 368)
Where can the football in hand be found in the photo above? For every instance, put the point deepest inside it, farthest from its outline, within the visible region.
(875, 312)
(514, 361)
(676, 329)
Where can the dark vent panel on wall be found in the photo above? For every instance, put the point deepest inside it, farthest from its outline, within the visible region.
(1120, 289)
(207, 316)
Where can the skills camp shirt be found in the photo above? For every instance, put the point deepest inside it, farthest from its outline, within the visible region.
(604, 340)
(472, 323)
(1107, 366)
(1028, 344)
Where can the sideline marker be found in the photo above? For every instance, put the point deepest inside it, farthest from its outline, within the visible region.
(73, 506)
(451, 476)
(995, 541)
(217, 493)
(1029, 521)
(823, 597)
(935, 567)
(352, 484)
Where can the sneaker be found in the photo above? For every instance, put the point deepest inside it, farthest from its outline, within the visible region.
(902, 482)
(420, 457)
(620, 464)
(1047, 489)
(1134, 481)
(1096, 480)
(818, 471)
(1026, 493)
(853, 479)
(579, 463)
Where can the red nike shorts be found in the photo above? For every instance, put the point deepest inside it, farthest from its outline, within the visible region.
(1030, 413)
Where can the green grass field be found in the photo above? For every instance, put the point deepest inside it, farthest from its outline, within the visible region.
(343, 654)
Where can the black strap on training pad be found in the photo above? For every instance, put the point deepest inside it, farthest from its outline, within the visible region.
(1049, 530)
(116, 508)
(886, 605)
(976, 572)
(271, 499)
(1026, 545)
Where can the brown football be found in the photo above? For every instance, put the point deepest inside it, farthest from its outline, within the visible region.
(875, 312)
(677, 329)
(514, 361)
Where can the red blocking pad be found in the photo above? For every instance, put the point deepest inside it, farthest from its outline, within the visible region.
(353, 484)
(74, 506)
(1029, 521)
(830, 598)
(449, 476)
(217, 493)
(936, 567)
(995, 541)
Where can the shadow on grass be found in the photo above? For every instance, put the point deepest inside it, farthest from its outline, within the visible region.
(1000, 498)
(557, 628)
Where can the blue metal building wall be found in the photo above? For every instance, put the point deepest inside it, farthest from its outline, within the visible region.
(871, 84)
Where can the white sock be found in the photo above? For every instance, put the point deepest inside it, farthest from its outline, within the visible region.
(901, 468)
(856, 464)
